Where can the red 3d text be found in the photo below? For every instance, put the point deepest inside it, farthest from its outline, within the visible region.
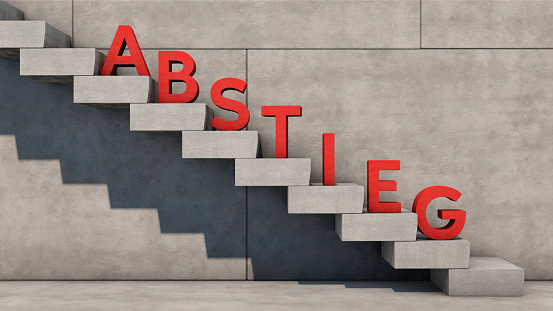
(125, 38)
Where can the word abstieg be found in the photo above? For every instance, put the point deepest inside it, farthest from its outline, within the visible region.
(125, 38)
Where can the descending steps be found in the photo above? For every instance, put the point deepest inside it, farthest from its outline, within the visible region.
(453, 270)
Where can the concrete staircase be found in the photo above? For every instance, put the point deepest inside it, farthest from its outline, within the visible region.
(453, 270)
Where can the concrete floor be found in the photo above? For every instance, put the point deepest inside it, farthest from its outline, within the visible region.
(255, 295)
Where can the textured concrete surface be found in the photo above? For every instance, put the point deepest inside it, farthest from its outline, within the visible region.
(311, 296)
(486, 24)
(285, 246)
(81, 237)
(60, 65)
(319, 199)
(57, 13)
(486, 276)
(425, 253)
(114, 91)
(9, 12)
(165, 217)
(272, 172)
(377, 226)
(211, 65)
(475, 120)
(220, 145)
(252, 24)
(29, 34)
(170, 117)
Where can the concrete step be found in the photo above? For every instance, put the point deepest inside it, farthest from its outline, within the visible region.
(377, 226)
(272, 172)
(16, 35)
(60, 65)
(170, 117)
(485, 276)
(425, 253)
(114, 91)
(220, 145)
(318, 199)
(8, 12)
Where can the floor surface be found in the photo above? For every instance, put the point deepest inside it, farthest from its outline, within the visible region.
(256, 295)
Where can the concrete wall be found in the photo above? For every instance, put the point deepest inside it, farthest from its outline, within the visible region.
(459, 91)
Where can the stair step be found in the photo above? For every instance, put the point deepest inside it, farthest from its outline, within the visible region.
(8, 12)
(16, 35)
(485, 276)
(272, 172)
(220, 144)
(343, 198)
(60, 65)
(170, 117)
(425, 253)
(8, 150)
(114, 91)
(377, 226)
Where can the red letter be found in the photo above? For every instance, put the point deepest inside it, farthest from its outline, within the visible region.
(165, 61)
(115, 59)
(375, 185)
(455, 225)
(229, 104)
(281, 114)
(328, 159)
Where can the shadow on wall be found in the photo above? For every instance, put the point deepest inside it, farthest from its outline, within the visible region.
(144, 170)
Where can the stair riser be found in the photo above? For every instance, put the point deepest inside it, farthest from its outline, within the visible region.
(220, 145)
(114, 91)
(427, 254)
(377, 227)
(486, 276)
(272, 172)
(60, 65)
(319, 199)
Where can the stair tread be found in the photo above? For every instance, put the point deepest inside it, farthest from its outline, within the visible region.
(171, 117)
(16, 35)
(60, 65)
(485, 276)
(425, 253)
(377, 227)
(272, 172)
(342, 198)
(220, 144)
(114, 91)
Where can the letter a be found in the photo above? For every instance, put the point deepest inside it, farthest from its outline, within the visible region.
(124, 37)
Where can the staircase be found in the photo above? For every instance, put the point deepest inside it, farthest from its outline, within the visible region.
(46, 55)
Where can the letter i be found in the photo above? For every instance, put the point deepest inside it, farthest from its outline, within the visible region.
(328, 159)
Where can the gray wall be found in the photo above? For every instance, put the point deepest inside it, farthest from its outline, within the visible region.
(459, 91)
